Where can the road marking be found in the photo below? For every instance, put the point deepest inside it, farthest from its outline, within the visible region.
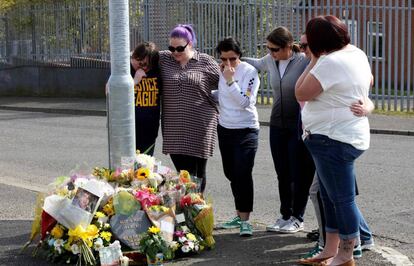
(393, 256)
(15, 182)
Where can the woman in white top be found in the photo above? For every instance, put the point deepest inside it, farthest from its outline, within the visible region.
(238, 129)
(338, 76)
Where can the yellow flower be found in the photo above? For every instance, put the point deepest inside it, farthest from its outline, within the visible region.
(62, 191)
(185, 176)
(191, 237)
(142, 173)
(78, 232)
(153, 230)
(106, 235)
(108, 209)
(92, 231)
(57, 232)
(174, 245)
(99, 215)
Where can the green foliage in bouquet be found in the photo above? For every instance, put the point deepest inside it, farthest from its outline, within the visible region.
(152, 243)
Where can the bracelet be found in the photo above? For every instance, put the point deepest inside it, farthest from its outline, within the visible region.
(229, 83)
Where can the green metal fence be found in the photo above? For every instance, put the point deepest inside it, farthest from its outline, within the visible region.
(57, 32)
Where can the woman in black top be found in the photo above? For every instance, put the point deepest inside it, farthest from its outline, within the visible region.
(147, 94)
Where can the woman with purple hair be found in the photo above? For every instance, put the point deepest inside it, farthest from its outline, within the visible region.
(189, 116)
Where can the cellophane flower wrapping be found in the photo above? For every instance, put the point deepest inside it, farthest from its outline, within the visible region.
(156, 189)
(199, 216)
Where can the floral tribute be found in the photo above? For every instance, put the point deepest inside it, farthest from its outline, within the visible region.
(81, 219)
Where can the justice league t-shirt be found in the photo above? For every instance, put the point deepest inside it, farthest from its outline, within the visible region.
(147, 94)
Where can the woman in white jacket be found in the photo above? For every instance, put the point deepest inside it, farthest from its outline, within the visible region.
(238, 129)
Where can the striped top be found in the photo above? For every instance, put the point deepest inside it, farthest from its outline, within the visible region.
(189, 113)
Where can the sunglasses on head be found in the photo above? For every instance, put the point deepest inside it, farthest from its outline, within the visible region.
(231, 59)
(179, 49)
(303, 45)
(274, 50)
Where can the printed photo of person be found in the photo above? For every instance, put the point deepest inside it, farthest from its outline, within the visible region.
(85, 200)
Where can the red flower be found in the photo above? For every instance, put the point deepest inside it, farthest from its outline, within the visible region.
(185, 201)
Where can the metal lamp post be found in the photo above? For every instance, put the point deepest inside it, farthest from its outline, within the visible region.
(121, 117)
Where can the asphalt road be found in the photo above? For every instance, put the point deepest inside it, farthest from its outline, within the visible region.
(37, 147)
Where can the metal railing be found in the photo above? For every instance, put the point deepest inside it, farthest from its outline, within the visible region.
(57, 32)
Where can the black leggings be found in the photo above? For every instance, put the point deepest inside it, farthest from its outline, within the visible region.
(194, 165)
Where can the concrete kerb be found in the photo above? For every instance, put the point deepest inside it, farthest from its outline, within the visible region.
(73, 111)
(56, 110)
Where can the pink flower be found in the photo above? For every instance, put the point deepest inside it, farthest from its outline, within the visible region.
(146, 198)
(179, 233)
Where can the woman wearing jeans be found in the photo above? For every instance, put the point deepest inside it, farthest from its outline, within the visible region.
(238, 129)
(337, 76)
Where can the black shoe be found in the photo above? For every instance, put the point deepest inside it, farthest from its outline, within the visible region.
(313, 235)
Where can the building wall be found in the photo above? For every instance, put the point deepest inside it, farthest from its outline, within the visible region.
(52, 81)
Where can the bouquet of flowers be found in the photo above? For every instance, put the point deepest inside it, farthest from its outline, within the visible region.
(187, 242)
(86, 214)
(200, 216)
(152, 243)
(79, 244)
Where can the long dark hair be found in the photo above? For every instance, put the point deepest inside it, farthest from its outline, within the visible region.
(282, 37)
(147, 49)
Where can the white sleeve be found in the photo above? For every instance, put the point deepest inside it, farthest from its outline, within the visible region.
(245, 94)
(325, 71)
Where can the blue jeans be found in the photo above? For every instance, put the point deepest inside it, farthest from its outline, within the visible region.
(334, 161)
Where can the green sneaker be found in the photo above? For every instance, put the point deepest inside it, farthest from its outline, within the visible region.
(315, 251)
(246, 228)
(233, 223)
(357, 253)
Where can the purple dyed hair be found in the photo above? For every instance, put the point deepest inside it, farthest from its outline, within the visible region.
(184, 31)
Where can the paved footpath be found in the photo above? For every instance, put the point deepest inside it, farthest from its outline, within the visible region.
(261, 249)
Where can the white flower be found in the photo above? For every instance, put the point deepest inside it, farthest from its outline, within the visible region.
(59, 250)
(58, 243)
(106, 226)
(81, 181)
(75, 249)
(145, 160)
(174, 245)
(124, 260)
(182, 239)
(158, 177)
(103, 220)
(185, 248)
(98, 243)
(190, 244)
(196, 247)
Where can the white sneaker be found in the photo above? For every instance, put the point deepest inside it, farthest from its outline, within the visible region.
(293, 226)
(277, 225)
(367, 244)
